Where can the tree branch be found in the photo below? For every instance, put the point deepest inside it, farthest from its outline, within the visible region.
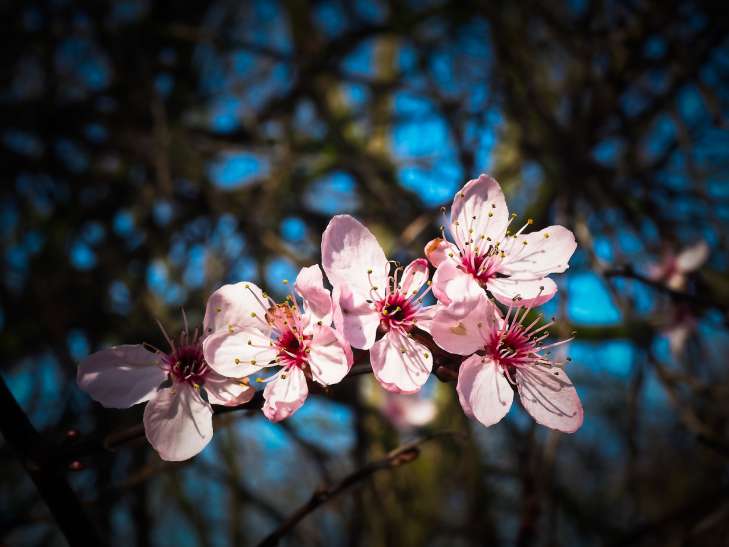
(37, 459)
(400, 456)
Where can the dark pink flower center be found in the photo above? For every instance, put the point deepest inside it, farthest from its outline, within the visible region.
(513, 349)
(293, 351)
(482, 267)
(396, 311)
(187, 364)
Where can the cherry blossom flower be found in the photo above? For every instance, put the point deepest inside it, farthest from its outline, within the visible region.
(673, 271)
(683, 324)
(503, 352)
(486, 255)
(407, 412)
(178, 386)
(674, 268)
(251, 332)
(367, 297)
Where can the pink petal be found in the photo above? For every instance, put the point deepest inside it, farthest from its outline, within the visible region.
(400, 364)
(455, 288)
(678, 335)
(239, 354)
(546, 251)
(549, 396)
(479, 198)
(483, 390)
(226, 391)
(349, 251)
(121, 376)
(439, 250)
(424, 317)
(408, 411)
(285, 395)
(414, 277)
(317, 300)
(178, 423)
(355, 318)
(467, 334)
(329, 359)
(693, 257)
(532, 292)
(240, 306)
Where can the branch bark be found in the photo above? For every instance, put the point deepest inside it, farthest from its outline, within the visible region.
(400, 456)
(37, 459)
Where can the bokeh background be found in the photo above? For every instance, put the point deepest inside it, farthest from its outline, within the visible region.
(151, 151)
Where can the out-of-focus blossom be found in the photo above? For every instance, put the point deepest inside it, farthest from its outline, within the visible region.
(673, 269)
(179, 387)
(251, 332)
(366, 297)
(503, 352)
(407, 412)
(486, 255)
(683, 325)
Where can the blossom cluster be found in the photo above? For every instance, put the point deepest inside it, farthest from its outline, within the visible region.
(487, 280)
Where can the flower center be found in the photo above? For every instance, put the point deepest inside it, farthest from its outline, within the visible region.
(292, 350)
(513, 349)
(396, 311)
(187, 364)
(482, 267)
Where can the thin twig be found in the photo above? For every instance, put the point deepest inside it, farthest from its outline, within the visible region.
(400, 456)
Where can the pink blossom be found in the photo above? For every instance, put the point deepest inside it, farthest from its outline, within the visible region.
(674, 268)
(366, 297)
(683, 325)
(252, 332)
(406, 412)
(501, 353)
(179, 387)
(486, 255)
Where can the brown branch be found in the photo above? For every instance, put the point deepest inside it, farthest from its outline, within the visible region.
(400, 456)
(37, 459)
